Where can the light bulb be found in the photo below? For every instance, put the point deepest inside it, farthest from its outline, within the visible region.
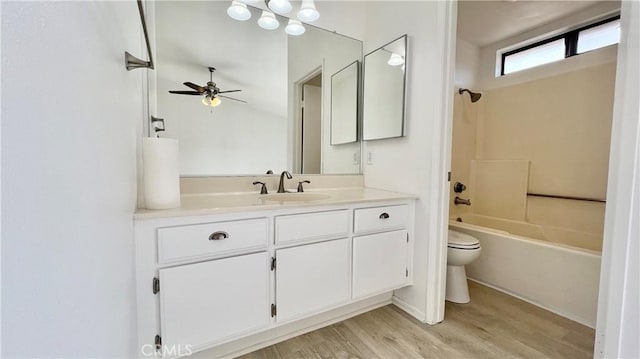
(238, 11)
(395, 60)
(308, 12)
(280, 6)
(205, 101)
(215, 102)
(294, 28)
(268, 21)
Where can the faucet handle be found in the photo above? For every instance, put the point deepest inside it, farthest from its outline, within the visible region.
(300, 189)
(263, 190)
(459, 187)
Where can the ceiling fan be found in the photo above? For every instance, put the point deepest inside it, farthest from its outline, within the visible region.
(211, 92)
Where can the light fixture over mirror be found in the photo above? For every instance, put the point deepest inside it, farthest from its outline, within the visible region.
(294, 27)
(308, 12)
(282, 7)
(238, 11)
(268, 21)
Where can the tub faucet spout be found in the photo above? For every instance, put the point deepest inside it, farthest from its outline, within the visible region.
(459, 200)
(281, 184)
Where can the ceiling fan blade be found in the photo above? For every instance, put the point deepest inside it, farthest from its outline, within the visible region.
(231, 98)
(186, 92)
(229, 91)
(194, 86)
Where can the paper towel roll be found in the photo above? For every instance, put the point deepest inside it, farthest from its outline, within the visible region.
(161, 173)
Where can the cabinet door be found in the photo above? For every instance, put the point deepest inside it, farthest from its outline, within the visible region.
(312, 278)
(380, 263)
(214, 301)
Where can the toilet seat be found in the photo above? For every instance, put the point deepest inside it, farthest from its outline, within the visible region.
(459, 240)
(455, 246)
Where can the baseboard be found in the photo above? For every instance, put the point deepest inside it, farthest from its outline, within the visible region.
(287, 331)
(409, 309)
(552, 310)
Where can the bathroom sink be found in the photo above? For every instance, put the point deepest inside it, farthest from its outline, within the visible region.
(294, 197)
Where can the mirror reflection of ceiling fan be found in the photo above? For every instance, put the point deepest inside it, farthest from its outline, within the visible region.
(211, 92)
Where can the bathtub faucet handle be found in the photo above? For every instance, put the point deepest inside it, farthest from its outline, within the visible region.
(459, 187)
(459, 200)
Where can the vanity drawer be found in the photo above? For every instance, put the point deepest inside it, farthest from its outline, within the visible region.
(380, 218)
(309, 226)
(205, 240)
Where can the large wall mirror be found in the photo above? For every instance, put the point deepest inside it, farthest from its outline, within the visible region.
(384, 91)
(283, 118)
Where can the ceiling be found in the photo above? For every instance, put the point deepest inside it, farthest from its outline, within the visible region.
(484, 22)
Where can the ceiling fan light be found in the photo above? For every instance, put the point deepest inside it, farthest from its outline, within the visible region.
(395, 60)
(215, 101)
(205, 101)
(294, 27)
(238, 11)
(280, 6)
(268, 21)
(308, 12)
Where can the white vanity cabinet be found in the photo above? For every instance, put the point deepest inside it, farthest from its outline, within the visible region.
(205, 303)
(243, 278)
(312, 277)
(380, 260)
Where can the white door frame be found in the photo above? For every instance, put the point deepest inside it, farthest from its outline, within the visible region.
(297, 123)
(618, 297)
(441, 160)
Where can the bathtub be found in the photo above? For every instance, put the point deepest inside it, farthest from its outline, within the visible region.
(519, 259)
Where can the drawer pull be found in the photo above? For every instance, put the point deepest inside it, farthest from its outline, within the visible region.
(384, 215)
(216, 236)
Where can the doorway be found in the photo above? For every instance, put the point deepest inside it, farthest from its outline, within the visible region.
(309, 124)
(530, 147)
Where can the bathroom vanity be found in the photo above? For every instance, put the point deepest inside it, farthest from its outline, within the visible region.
(224, 267)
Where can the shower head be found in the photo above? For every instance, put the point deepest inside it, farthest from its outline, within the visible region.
(475, 96)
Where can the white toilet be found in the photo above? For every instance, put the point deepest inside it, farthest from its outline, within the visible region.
(462, 249)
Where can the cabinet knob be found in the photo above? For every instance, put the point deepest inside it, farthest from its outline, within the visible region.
(384, 215)
(216, 236)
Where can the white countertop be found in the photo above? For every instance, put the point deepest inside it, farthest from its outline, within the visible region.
(216, 203)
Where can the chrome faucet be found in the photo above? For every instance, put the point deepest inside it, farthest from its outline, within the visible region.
(459, 200)
(281, 185)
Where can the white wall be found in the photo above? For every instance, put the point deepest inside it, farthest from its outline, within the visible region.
(412, 163)
(70, 113)
(467, 64)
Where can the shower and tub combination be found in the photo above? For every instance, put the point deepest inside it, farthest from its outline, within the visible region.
(527, 251)
(560, 277)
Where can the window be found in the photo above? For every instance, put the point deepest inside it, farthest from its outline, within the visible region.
(572, 43)
(599, 36)
(536, 56)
